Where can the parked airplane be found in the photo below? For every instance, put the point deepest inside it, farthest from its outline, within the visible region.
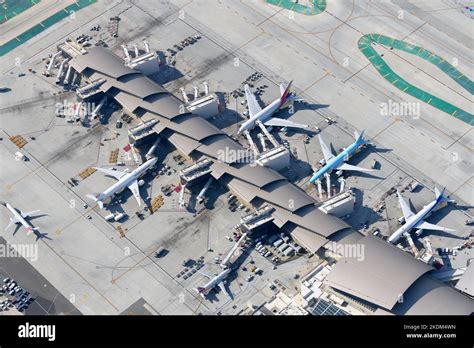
(125, 180)
(19, 218)
(218, 280)
(416, 221)
(256, 113)
(338, 162)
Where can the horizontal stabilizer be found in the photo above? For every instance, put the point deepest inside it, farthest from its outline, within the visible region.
(427, 226)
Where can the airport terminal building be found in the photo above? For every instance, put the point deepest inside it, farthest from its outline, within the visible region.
(387, 278)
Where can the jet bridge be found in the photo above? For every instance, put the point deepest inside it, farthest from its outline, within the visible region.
(267, 134)
(257, 219)
(196, 172)
(252, 144)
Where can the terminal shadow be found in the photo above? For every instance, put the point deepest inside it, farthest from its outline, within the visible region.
(214, 194)
(298, 169)
(226, 119)
(192, 203)
(363, 216)
(166, 74)
(107, 111)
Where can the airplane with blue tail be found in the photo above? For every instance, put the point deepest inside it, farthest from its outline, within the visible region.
(416, 221)
(339, 162)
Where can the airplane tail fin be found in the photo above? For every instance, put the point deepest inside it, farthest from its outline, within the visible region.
(284, 93)
(440, 194)
(199, 289)
(95, 198)
(359, 135)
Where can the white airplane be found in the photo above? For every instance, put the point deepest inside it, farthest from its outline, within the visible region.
(125, 180)
(416, 221)
(19, 218)
(339, 162)
(218, 280)
(256, 113)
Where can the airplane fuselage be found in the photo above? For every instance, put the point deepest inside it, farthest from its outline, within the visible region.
(214, 281)
(264, 114)
(19, 218)
(127, 179)
(414, 220)
(336, 161)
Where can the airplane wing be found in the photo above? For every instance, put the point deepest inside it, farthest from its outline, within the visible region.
(279, 122)
(29, 213)
(346, 166)
(135, 190)
(254, 107)
(427, 226)
(223, 289)
(205, 275)
(114, 173)
(407, 212)
(327, 153)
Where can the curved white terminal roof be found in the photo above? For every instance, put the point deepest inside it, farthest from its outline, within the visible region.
(101, 60)
(429, 296)
(381, 277)
(380, 274)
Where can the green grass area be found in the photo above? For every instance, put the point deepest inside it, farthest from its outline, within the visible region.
(48, 22)
(317, 7)
(366, 47)
(12, 8)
